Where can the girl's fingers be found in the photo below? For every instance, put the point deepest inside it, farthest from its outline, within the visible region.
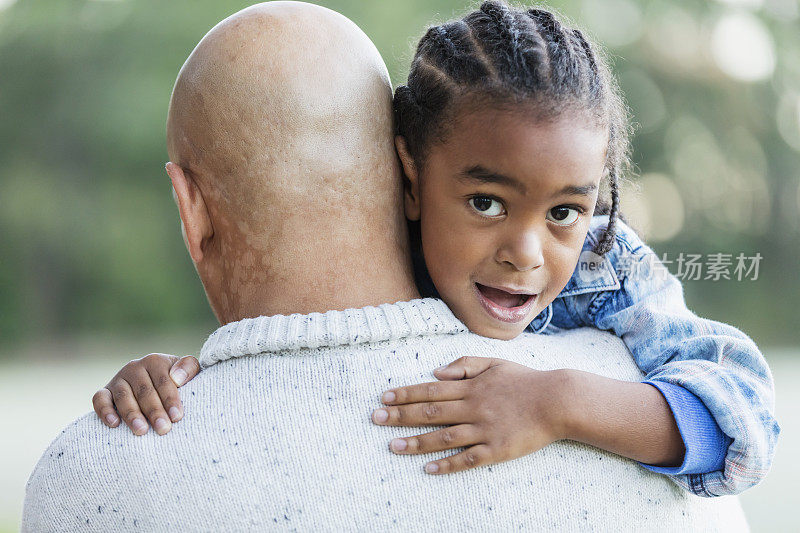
(436, 441)
(184, 370)
(422, 414)
(169, 399)
(126, 406)
(478, 455)
(149, 401)
(103, 404)
(465, 367)
(435, 391)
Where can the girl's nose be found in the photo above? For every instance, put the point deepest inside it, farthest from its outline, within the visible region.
(523, 251)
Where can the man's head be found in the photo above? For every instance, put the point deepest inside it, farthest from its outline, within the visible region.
(282, 163)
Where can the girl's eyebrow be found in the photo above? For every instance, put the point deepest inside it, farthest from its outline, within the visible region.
(482, 175)
(573, 190)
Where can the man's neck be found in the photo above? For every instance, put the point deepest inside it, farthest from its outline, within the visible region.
(343, 287)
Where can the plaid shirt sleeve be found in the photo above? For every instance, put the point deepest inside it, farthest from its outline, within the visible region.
(714, 361)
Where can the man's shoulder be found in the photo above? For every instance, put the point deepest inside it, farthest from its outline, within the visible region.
(95, 478)
(587, 349)
(62, 475)
(67, 446)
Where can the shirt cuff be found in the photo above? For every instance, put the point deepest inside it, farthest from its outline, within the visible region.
(706, 445)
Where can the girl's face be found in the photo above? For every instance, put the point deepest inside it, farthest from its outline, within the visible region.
(504, 206)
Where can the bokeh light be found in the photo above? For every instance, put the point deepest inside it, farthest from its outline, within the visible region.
(798, 194)
(751, 4)
(784, 10)
(645, 98)
(789, 203)
(725, 187)
(788, 118)
(694, 155)
(742, 47)
(674, 35)
(654, 207)
(614, 23)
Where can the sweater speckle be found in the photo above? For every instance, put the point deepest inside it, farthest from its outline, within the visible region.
(280, 438)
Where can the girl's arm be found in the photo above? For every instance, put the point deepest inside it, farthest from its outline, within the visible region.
(715, 366)
(630, 419)
(500, 410)
(148, 385)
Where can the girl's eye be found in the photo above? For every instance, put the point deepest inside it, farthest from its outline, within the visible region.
(563, 215)
(487, 207)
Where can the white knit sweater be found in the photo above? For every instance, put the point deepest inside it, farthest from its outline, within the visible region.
(277, 435)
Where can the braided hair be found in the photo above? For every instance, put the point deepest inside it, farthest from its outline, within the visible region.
(504, 56)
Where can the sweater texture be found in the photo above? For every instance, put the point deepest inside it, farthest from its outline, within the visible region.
(277, 436)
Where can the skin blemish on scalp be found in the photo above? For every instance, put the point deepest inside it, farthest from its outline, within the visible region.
(244, 268)
(309, 155)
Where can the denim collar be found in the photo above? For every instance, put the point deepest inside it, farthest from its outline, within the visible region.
(593, 273)
(542, 320)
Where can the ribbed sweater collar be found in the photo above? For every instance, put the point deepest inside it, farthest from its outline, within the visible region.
(270, 334)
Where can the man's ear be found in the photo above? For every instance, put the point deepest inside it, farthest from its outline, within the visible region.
(410, 179)
(195, 221)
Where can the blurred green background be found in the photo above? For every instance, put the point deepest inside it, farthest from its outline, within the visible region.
(93, 270)
(90, 238)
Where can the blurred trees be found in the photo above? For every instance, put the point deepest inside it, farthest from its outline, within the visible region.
(90, 240)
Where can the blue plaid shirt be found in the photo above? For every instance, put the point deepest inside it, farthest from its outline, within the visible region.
(715, 379)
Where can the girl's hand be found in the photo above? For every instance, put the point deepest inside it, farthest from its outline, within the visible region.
(148, 385)
(498, 409)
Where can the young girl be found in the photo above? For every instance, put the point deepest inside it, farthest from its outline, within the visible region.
(506, 128)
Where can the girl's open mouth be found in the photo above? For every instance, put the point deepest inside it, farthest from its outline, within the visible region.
(503, 305)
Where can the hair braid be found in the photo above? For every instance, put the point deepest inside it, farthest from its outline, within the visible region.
(561, 51)
(609, 234)
(587, 50)
(509, 43)
(462, 64)
(439, 35)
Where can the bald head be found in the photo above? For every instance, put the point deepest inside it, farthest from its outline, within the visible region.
(281, 119)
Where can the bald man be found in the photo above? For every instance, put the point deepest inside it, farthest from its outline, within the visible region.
(280, 140)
